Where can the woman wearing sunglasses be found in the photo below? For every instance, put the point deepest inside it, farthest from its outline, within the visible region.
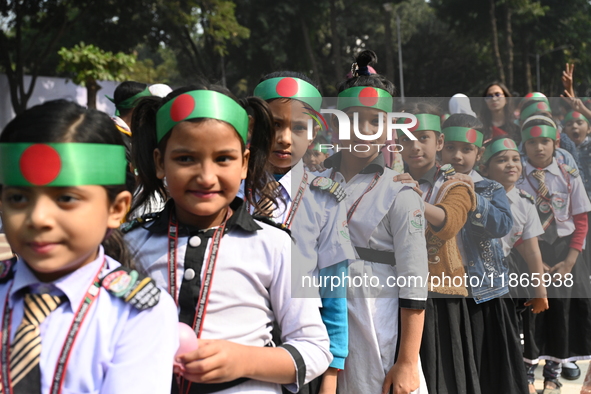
(496, 113)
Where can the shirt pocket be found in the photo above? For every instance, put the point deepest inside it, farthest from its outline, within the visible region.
(560, 206)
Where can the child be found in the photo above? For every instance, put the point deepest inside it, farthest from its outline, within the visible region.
(387, 229)
(576, 126)
(74, 319)
(561, 333)
(447, 204)
(315, 155)
(312, 210)
(497, 347)
(196, 140)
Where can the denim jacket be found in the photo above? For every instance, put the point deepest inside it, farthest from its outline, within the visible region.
(486, 266)
(584, 150)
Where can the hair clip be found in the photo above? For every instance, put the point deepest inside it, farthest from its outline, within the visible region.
(354, 68)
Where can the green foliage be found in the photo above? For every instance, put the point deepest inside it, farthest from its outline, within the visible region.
(89, 63)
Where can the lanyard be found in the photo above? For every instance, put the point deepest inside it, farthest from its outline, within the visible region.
(428, 197)
(296, 202)
(569, 188)
(62, 361)
(371, 185)
(209, 267)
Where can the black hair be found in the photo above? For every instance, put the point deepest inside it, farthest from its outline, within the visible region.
(359, 78)
(463, 120)
(65, 121)
(486, 116)
(124, 91)
(144, 142)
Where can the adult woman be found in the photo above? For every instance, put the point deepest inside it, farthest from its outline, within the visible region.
(497, 113)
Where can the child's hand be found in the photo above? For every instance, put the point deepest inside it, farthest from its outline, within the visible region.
(562, 268)
(537, 304)
(403, 378)
(405, 178)
(464, 178)
(567, 79)
(329, 382)
(215, 361)
(316, 167)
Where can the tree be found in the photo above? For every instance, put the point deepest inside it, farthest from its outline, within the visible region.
(89, 64)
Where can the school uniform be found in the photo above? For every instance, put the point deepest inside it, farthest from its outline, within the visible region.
(118, 348)
(387, 230)
(250, 291)
(561, 334)
(447, 348)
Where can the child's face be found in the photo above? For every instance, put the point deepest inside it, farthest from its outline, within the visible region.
(203, 164)
(461, 155)
(56, 230)
(291, 134)
(504, 168)
(316, 157)
(368, 124)
(577, 130)
(420, 155)
(540, 151)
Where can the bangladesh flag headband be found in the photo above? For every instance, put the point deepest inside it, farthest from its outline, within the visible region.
(425, 122)
(201, 104)
(463, 134)
(292, 88)
(498, 146)
(130, 102)
(538, 131)
(574, 115)
(61, 164)
(365, 96)
(534, 108)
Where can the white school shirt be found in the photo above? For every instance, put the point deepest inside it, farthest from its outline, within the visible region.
(564, 204)
(382, 221)
(118, 349)
(250, 291)
(526, 222)
(428, 184)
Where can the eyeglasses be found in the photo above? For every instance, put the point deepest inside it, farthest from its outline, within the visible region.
(497, 94)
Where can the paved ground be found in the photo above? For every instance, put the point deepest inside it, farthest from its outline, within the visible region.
(570, 386)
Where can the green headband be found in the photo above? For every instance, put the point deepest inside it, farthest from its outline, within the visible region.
(497, 146)
(130, 102)
(538, 131)
(61, 164)
(425, 122)
(318, 148)
(463, 134)
(201, 104)
(574, 115)
(535, 96)
(287, 87)
(535, 108)
(365, 96)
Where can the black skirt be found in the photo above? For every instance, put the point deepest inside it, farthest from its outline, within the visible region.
(497, 346)
(563, 332)
(447, 353)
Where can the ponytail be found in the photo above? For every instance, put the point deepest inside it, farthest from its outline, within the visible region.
(362, 77)
(258, 183)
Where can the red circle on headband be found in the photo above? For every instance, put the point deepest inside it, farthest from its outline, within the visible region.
(182, 107)
(40, 164)
(535, 131)
(415, 127)
(368, 96)
(287, 87)
(576, 114)
(509, 143)
(471, 136)
(542, 106)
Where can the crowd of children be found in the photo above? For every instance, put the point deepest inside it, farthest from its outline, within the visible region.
(230, 206)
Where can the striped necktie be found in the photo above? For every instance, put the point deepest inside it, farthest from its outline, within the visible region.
(25, 351)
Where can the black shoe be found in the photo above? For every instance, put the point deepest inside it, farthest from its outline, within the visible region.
(570, 371)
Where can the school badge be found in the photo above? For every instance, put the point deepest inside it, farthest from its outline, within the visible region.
(447, 170)
(139, 291)
(327, 185)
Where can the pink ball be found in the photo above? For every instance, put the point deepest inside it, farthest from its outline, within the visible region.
(187, 341)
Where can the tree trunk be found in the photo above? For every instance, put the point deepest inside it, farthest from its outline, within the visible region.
(496, 52)
(309, 49)
(509, 34)
(389, 45)
(92, 88)
(526, 63)
(336, 43)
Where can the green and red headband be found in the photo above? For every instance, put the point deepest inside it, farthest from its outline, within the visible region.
(463, 134)
(292, 88)
(573, 116)
(538, 131)
(365, 96)
(535, 107)
(201, 104)
(317, 147)
(425, 122)
(497, 146)
(61, 164)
